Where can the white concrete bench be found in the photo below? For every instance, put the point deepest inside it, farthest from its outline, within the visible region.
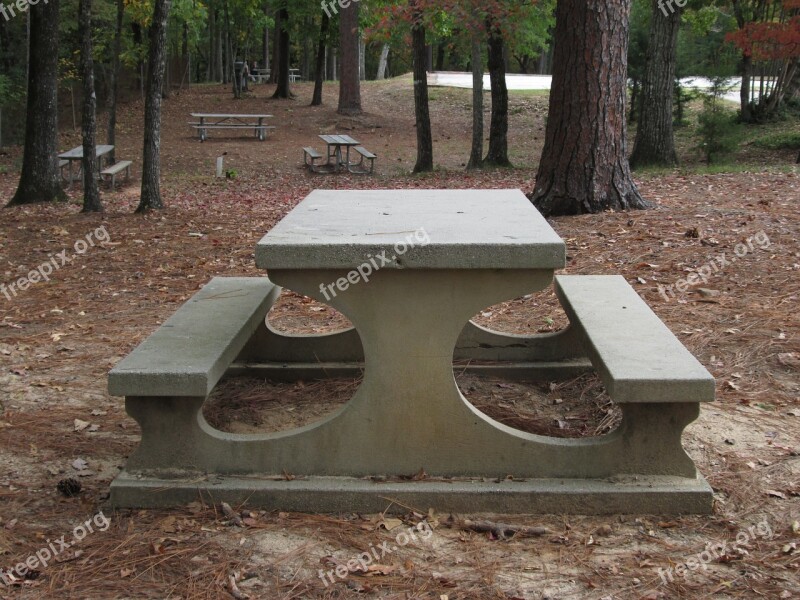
(113, 170)
(365, 155)
(191, 351)
(636, 355)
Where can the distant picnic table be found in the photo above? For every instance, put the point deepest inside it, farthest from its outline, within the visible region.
(230, 121)
(338, 156)
(76, 155)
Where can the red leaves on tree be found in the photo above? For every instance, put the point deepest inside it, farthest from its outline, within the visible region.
(770, 40)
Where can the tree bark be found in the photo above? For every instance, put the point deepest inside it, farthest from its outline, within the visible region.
(319, 73)
(283, 90)
(151, 155)
(276, 47)
(40, 179)
(113, 87)
(655, 142)
(476, 155)
(350, 83)
(362, 58)
(382, 62)
(584, 166)
(91, 195)
(498, 128)
(421, 109)
(265, 62)
(746, 112)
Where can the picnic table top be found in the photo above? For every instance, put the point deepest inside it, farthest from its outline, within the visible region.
(464, 229)
(77, 152)
(339, 140)
(228, 116)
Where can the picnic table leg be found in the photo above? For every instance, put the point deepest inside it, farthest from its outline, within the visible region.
(429, 310)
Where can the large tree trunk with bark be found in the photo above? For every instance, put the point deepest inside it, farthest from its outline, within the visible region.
(91, 195)
(746, 111)
(40, 179)
(421, 109)
(498, 128)
(276, 47)
(655, 142)
(282, 45)
(151, 155)
(113, 86)
(476, 154)
(382, 62)
(350, 82)
(319, 73)
(265, 61)
(584, 166)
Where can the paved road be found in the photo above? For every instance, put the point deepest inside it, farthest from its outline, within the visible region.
(542, 82)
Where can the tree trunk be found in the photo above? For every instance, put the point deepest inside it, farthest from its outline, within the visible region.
(305, 72)
(350, 84)
(655, 142)
(362, 58)
(382, 62)
(498, 129)
(584, 166)
(319, 73)
(91, 195)
(113, 86)
(746, 113)
(40, 179)
(276, 47)
(476, 155)
(265, 53)
(283, 91)
(440, 52)
(219, 60)
(151, 156)
(421, 110)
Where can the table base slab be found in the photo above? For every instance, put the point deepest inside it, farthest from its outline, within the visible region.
(652, 495)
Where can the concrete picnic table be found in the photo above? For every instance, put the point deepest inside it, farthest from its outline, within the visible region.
(230, 121)
(335, 143)
(410, 268)
(76, 155)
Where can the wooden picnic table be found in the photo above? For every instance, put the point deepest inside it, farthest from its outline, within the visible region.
(76, 155)
(230, 121)
(335, 143)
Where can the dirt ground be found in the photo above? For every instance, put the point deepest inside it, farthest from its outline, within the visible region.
(58, 339)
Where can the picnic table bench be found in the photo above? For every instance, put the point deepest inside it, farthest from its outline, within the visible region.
(411, 316)
(113, 170)
(338, 156)
(230, 121)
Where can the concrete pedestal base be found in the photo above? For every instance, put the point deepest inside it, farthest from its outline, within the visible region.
(651, 495)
